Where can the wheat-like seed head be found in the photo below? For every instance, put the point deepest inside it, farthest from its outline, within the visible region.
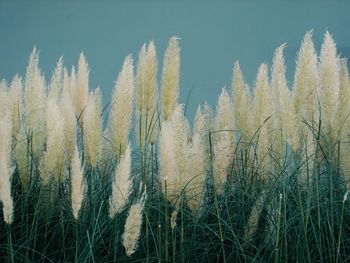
(56, 81)
(53, 161)
(6, 171)
(329, 84)
(35, 104)
(120, 116)
(132, 228)
(146, 95)
(80, 86)
(78, 184)
(122, 184)
(92, 128)
(223, 140)
(170, 78)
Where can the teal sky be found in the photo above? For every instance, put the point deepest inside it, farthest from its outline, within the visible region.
(213, 35)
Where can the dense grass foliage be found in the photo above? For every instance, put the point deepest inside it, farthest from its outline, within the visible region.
(263, 177)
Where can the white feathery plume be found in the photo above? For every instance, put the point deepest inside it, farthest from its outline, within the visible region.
(223, 141)
(343, 120)
(343, 109)
(34, 101)
(306, 80)
(197, 162)
(70, 120)
(66, 88)
(106, 163)
(262, 111)
(92, 127)
(15, 94)
(52, 163)
(306, 83)
(170, 78)
(56, 81)
(4, 97)
(167, 165)
(329, 84)
(121, 186)
(120, 115)
(262, 95)
(181, 134)
(6, 171)
(22, 157)
(132, 228)
(78, 184)
(247, 102)
(146, 95)
(252, 224)
(241, 99)
(281, 101)
(173, 157)
(72, 87)
(80, 90)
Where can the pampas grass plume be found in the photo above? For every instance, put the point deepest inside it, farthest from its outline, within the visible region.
(53, 160)
(120, 115)
(223, 140)
(6, 171)
(77, 184)
(35, 104)
(146, 95)
(132, 228)
(93, 128)
(170, 78)
(121, 186)
(80, 90)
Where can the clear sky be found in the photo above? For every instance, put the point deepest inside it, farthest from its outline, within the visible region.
(213, 35)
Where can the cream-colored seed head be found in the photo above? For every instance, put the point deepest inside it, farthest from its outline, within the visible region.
(121, 186)
(223, 140)
(254, 217)
(281, 101)
(70, 124)
(146, 95)
(262, 125)
(4, 97)
(5, 192)
(53, 161)
(66, 91)
(329, 84)
(68, 112)
(92, 128)
(132, 228)
(241, 99)
(81, 86)
(306, 83)
(170, 78)
(22, 157)
(120, 115)
(167, 164)
(306, 80)
(78, 183)
(34, 101)
(181, 134)
(343, 109)
(56, 81)
(6, 171)
(197, 162)
(16, 96)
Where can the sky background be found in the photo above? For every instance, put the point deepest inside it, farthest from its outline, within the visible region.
(213, 35)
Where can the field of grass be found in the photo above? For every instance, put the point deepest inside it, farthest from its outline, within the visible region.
(262, 177)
